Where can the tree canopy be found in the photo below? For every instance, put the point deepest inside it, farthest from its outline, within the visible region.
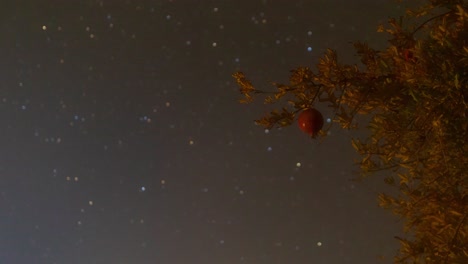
(415, 94)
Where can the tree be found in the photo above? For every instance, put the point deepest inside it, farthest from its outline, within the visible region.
(415, 94)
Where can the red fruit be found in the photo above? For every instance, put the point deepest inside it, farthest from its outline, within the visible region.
(408, 54)
(310, 121)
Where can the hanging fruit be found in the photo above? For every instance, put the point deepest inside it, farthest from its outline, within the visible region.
(409, 56)
(310, 121)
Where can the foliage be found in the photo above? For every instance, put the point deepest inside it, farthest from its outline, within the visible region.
(415, 93)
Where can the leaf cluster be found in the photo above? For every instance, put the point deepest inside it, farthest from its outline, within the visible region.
(415, 94)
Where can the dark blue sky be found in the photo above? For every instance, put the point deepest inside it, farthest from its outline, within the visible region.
(122, 140)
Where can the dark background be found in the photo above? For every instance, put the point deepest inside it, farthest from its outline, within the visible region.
(122, 140)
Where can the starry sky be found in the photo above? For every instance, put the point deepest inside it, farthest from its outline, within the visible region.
(122, 139)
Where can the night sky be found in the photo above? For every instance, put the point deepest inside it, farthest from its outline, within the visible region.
(122, 139)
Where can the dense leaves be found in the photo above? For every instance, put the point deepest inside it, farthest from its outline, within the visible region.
(415, 94)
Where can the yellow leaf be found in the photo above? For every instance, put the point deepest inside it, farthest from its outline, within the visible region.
(380, 28)
(455, 213)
